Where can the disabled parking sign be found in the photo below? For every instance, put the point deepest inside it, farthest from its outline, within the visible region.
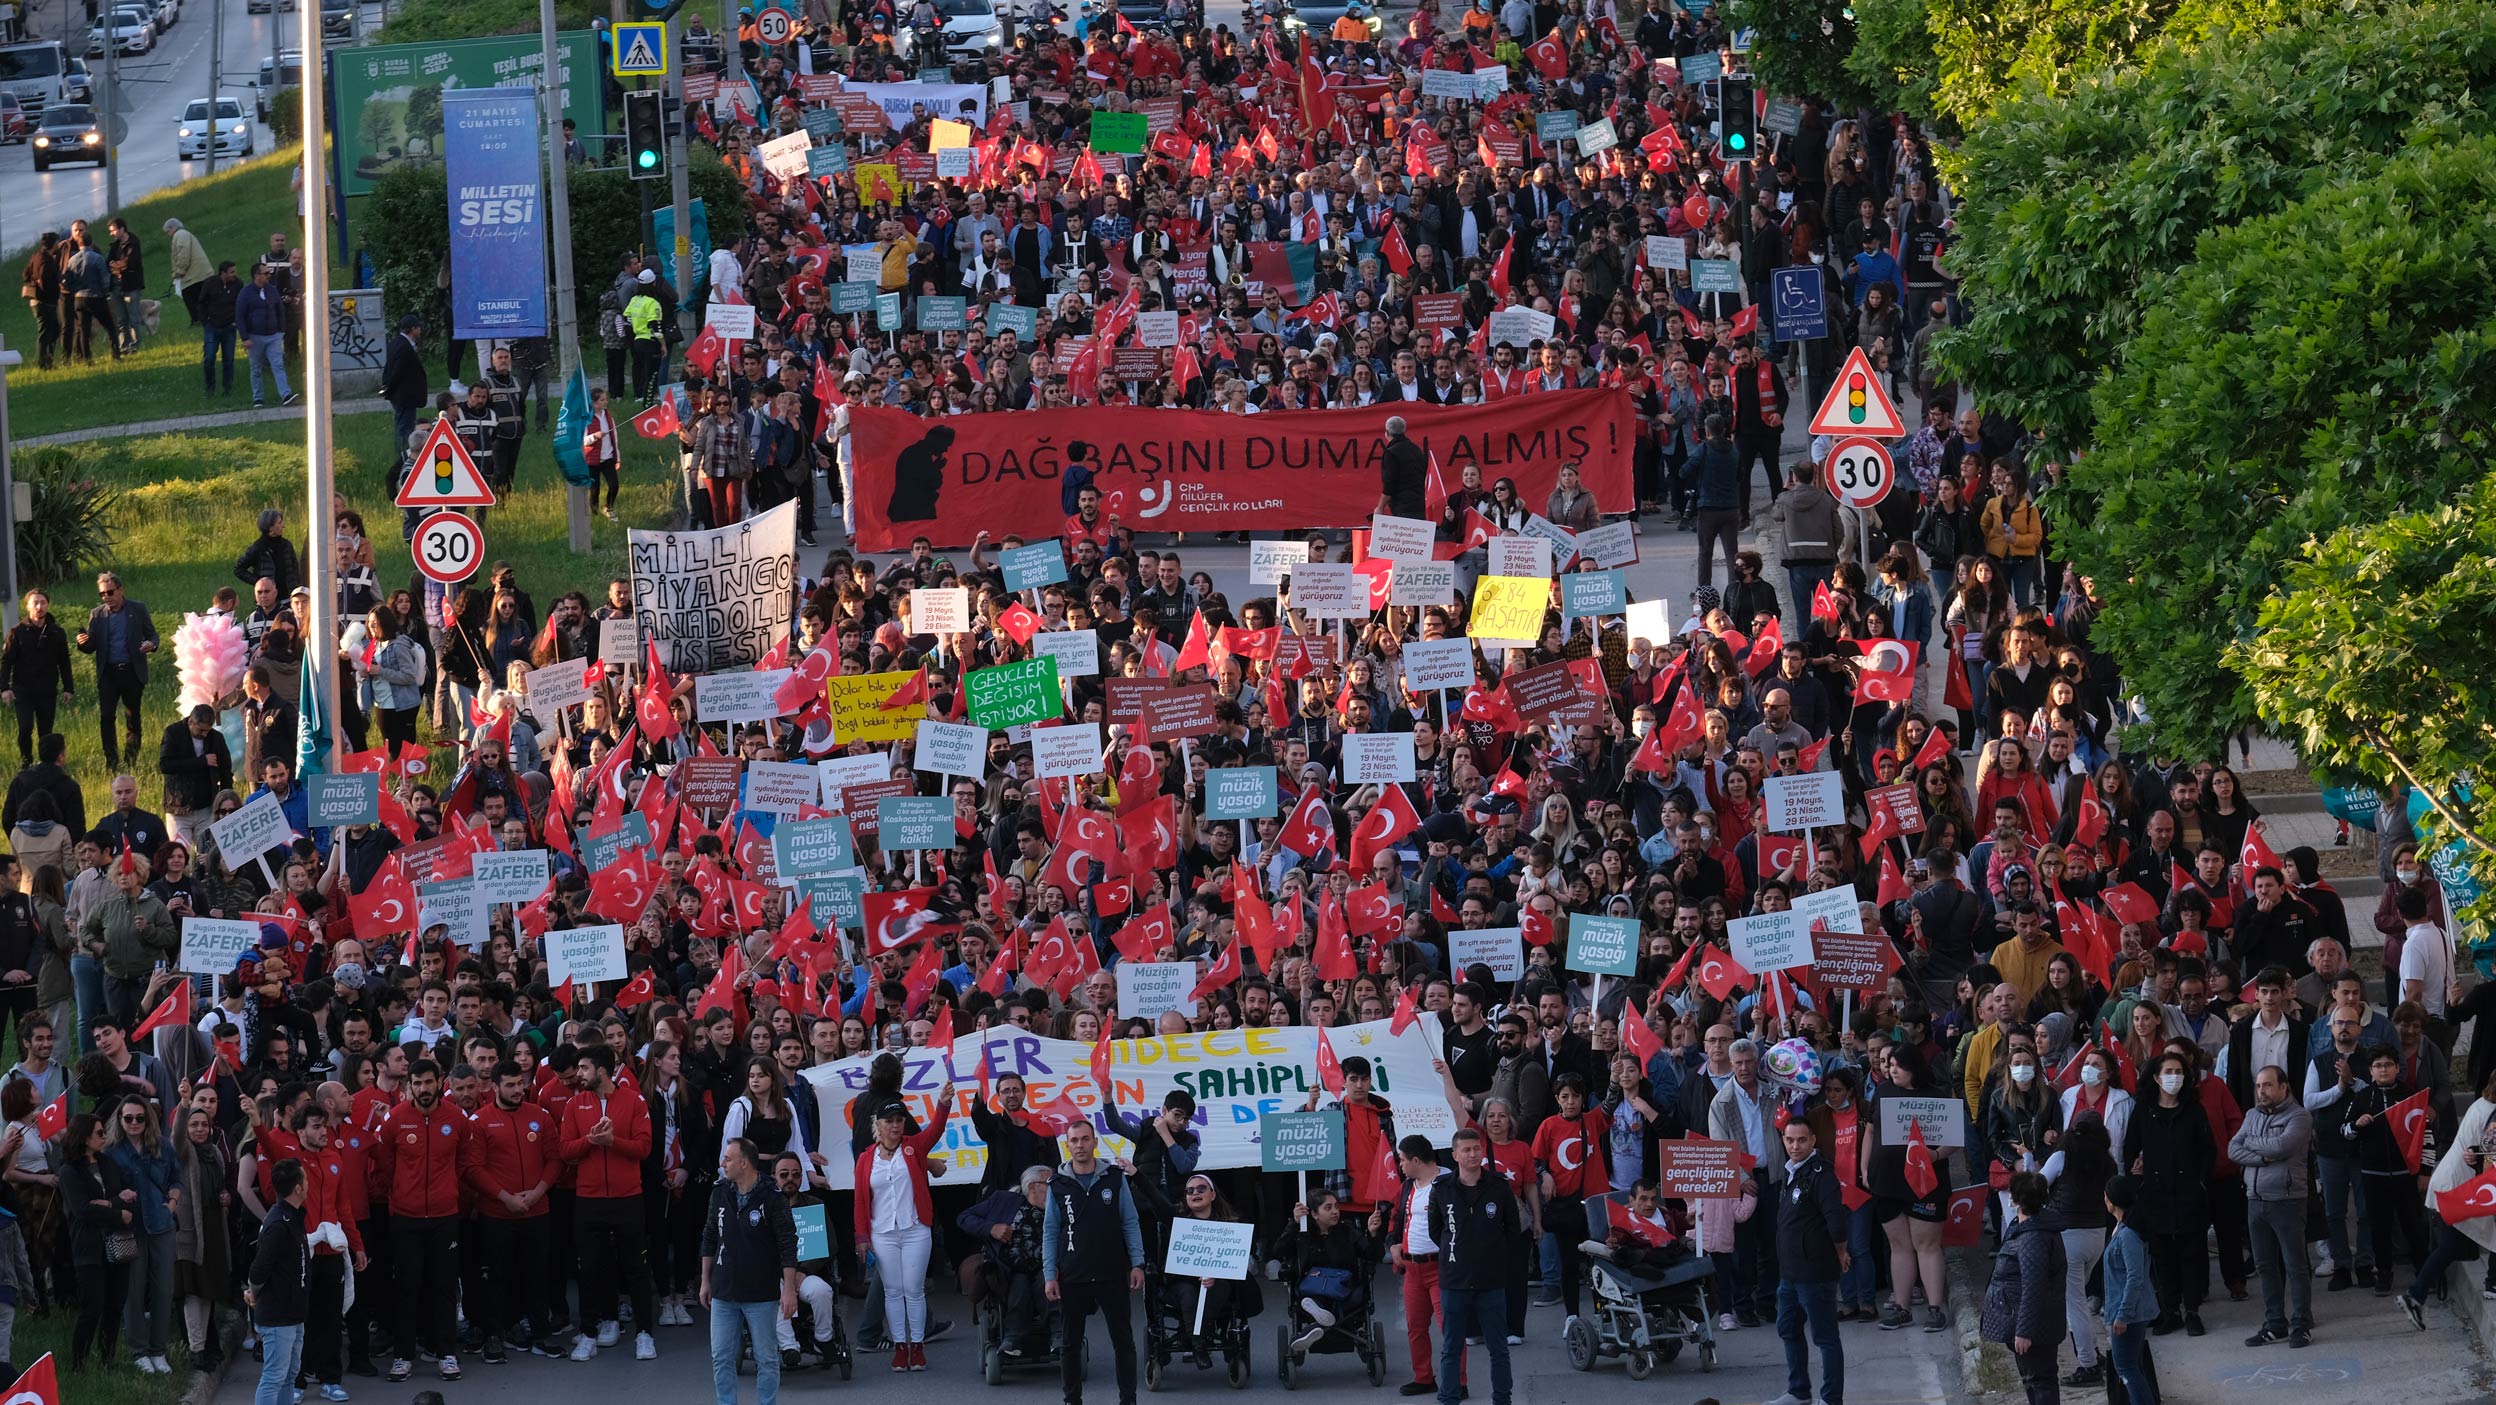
(1797, 306)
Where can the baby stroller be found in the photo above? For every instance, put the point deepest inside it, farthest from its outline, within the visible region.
(1170, 1324)
(995, 1362)
(1355, 1329)
(1643, 1317)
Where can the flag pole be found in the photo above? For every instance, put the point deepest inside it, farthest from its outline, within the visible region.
(320, 652)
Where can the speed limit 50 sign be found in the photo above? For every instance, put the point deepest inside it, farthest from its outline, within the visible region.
(774, 25)
(448, 547)
(1858, 473)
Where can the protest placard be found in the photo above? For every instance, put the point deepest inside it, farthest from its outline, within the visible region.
(1510, 607)
(352, 797)
(1603, 946)
(1401, 538)
(856, 701)
(1208, 1249)
(838, 773)
(1715, 276)
(1808, 800)
(1171, 713)
(1157, 329)
(1036, 565)
(1668, 252)
(619, 642)
(1586, 594)
(1519, 557)
(1330, 590)
(1146, 988)
(602, 847)
(1520, 326)
(1241, 793)
(1437, 665)
(905, 822)
(211, 945)
(1693, 1168)
(1014, 693)
(1377, 758)
(1770, 941)
(585, 954)
(779, 787)
(1077, 652)
(940, 610)
(1422, 583)
(1269, 562)
(1612, 544)
(1502, 949)
(1071, 750)
(1862, 964)
(252, 831)
(951, 749)
(1944, 1120)
(510, 875)
(1900, 803)
(559, 685)
(456, 907)
(804, 848)
(1835, 909)
(738, 697)
(1301, 1141)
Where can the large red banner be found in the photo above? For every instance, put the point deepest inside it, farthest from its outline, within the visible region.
(1203, 471)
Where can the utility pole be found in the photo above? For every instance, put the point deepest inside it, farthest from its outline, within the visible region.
(731, 53)
(679, 180)
(108, 103)
(320, 635)
(550, 91)
(8, 499)
(216, 80)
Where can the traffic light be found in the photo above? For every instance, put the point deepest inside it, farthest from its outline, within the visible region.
(645, 137)
(654, 9)
(1737, 120)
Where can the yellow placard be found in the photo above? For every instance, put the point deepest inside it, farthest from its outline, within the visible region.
(942, 134)
(879, 182)
(856, 702)
(1509, 607)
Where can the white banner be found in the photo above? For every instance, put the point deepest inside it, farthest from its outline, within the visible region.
(1077, 651)
(1236, 1076)
(958, 102)
(1436, 665)
(749, 696)
(716, 600)
(585, 954)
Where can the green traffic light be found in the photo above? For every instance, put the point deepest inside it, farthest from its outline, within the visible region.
(649, 159)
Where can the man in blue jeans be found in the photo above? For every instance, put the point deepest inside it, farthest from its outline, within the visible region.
(276, 1291)
(1811, 1257)
(260, 313)
(1474, 1221)
(749, 1271)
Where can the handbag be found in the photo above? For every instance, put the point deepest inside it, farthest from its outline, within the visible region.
(120, 1247)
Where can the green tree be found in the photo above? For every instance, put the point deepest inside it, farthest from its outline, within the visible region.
(2322, 368)
(1985, 50)
(2373, 657)
(1801, 48)
(2072, 204)
(1893, 56)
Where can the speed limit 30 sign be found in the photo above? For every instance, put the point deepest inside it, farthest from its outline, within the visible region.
(448, 547)
(1858, 473)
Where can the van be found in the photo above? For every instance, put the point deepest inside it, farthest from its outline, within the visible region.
(32, 72)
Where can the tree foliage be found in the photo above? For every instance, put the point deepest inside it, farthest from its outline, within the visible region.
(1893, 56)
(1986, 50)
(1801, 48)
(2324, 367)
(2072, 204)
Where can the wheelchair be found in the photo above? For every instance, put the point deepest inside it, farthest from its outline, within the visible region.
(833, 1353)
(995, 1366)
(1645, 1319)
(1169, 1323)
(1356, 1329)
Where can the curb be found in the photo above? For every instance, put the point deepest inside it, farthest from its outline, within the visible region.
(1984, 1367)
(205, 1384)
(2475, 1308)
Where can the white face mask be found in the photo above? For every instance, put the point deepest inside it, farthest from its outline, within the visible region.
(2407, 875)
(2092, 1075)
(2023, 1074)
(2171, 1082)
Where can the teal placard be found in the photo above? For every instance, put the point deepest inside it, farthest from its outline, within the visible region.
(804, 848)
(1301, 1141)
(1603, 946)
(831, 159)
(822, 122)
(352, 797)
(600, 850)
(1033, 566)
(943, 314)
(814, 1236)
(914, 822)
(888, 311)
(1023, 322)
(1715, 276)
(835, 900)
(1552, 126)
(848, 298)
(1587, 593)
(1013, 694)
(1242, 793)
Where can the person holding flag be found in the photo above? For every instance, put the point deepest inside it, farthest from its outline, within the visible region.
(2463, 1193)
(2392, 1182)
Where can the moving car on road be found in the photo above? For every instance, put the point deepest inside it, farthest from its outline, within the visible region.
(69, 132)
(229, 129)
(134, 29)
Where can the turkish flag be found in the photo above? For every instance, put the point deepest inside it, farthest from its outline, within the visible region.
(39, 1386)
(1371, 909)
(1823, 602)
(1550, 56)
(2089, 826)
(1142, 939)
(1225, 969)
(1392, 248)
(388, 902)
(2256, 854)
(1329, 1068)
(706, 352)
(1637, 1036)
(1893, 884)
(2068, 1076)
(911, 693)
(1882, 829)
(53, 1119)
(173, 1012)
(1966, 1224)
(919, 982)
(1936, 747)
(1720, 975)
(1765, 649)
(1746, 321)
(1151, 834)
(1389, 820)
(1407, 1014)
(2130, 902)
(1499, 269)
(2473, 1199)
(1888, 670)
(1920, 1176)
(940, 1033)
(650, 710)
(640, 990)
(1683, 723)
(1102, 1057)
(1333, 951)
(1052, 1118)
(894, 920)
(659, 421)
(2409, 1118)
(1681, 968)
(1534, 925)
(1194, 650)
(1311, 828)
(1254, 917)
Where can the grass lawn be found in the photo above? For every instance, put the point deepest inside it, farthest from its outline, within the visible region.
(191, 502)
(233, 212)
(118, 1384)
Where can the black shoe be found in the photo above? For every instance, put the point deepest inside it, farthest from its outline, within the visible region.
(791, 1361)
(2341, 1281)
(291, 399)
(494, 1354)
(2383, 1286)
(2164, 1327)
(2192, 1325)
(2299, 1337)
(2235, 1292)
(2268, 1336)
(2085, 1376)
(361, 1366)
(1418, 1388)
(1744, 1317)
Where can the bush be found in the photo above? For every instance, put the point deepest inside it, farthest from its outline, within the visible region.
(286, 116)
(70, 529)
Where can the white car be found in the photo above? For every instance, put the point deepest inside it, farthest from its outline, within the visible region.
(231, 130)
(134, 29)
(972, 32)
(167, 11)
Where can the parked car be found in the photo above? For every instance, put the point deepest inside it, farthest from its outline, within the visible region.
(286, 71)
(166, 12)
(69, 132)
(15, 126)
(77, 82)
(262, 7)
(230, 130)
(337, 19)
(134, 29)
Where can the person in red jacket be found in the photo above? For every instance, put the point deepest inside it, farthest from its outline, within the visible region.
(894, 1215)
(329, 1213)
(354, 1141)
(418, 1159)
(510, 1161)
(606, 1133)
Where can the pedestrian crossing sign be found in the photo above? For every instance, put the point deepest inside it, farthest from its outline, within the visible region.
(640, 50)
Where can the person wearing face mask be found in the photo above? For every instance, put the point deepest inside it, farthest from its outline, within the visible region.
(2408, 876)
(2168, 1148)
(2022, 1123)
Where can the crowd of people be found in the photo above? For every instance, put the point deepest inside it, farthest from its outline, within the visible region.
(2141, 1024)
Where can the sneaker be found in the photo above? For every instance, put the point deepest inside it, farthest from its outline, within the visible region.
(1515, 1340)
(607, 1334)
(2091, 1374)
(1307, 1339)
(2299, 1337)
(1273, 1267)
(1317, 1312)
(401, 1368)
(918, 1356)
(2269, 1336)
(2417, 1315)
(146, 1365)
(449, 1367)
(335, 1393)
(584, 1348)
(1546, 1300)
(1418, 1388)
(493, 1353)
(545, 1346)
(645, 1347)
(2323, 1265)
(1894, 1317)
(937, 1327)
(1725, 1322)
(291, 398)
(2341, 1281)
(790, 1360)
(1933, 1320)
(901, 1358)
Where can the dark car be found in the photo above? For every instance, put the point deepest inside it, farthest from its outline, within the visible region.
(337, 19)
(68, 132)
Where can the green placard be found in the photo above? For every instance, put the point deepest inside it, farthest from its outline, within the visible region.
(1301, 1141)
(822, 122)
(914, 822)
(888, 311)
(943, 314)
(350, 798)
(1013, 694)
(1715, 276)
(835, 900)
(851, 297)
(1603, 946)
(804, 848)
(1552, 126)
(1122, 132)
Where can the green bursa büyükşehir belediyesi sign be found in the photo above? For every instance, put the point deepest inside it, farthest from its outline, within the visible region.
(390, 95)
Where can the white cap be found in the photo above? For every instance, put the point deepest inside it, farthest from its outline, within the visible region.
(649, 275)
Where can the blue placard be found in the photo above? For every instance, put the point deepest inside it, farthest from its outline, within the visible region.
(888, 311)
(847, 298)
(1241, 793)
(1033, 566)
(1588, 593)
(1604, 946)
(1797, 303)
(943, 314)
(835, 900)
(1023, 322)
(822, 122)
(914, 822)
(831, 159)
(1702, 68)
(804, 848)
(814, 1236)
(498, 230)
(600, 850)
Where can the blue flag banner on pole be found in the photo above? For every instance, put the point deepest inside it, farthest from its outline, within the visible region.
(498, 231)
(570, 423)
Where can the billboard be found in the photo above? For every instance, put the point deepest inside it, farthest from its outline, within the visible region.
(390, 95)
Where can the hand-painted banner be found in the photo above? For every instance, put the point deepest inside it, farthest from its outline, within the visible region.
(717, 600)
(498, 230)
(1190, 470)
(1237, 1076)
